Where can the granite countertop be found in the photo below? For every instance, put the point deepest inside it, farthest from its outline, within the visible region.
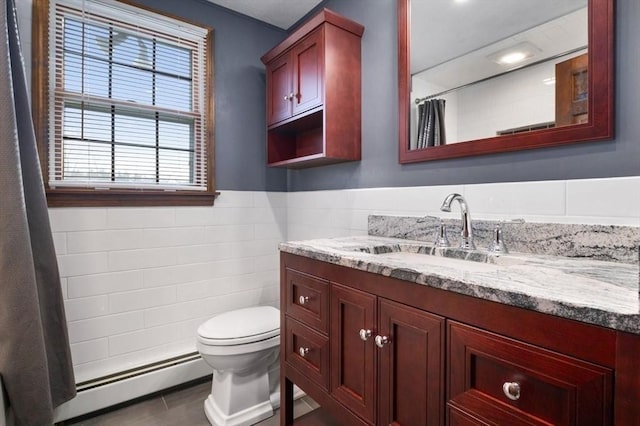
(592, 291)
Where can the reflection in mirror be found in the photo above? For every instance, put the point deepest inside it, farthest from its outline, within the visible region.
(497, 80)
(503, 75)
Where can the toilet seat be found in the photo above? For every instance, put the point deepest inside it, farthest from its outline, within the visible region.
(241, 327)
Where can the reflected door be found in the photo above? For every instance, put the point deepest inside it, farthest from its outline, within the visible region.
(572, 91)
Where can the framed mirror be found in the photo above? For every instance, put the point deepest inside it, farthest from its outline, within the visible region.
(479, 78)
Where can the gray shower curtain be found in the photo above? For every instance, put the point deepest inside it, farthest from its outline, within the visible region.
(431, 131)
(35, 359)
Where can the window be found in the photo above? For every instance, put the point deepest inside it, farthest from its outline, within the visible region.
(122, 105)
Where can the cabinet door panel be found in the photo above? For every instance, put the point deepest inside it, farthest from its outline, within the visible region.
(307, 73)
(279, 85)
(530, 383)
(411, 366)
(353, 363)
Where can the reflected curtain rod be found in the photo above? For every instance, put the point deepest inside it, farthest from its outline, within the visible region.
(482, 80)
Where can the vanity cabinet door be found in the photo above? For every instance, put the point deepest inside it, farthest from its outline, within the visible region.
(353, 360)
(411, 366)
(498, 380)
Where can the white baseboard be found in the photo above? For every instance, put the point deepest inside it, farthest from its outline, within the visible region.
(100, 397)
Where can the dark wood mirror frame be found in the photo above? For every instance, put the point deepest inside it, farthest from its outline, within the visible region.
(600, 125)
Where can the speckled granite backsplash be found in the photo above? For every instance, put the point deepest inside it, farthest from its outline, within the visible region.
(609, 243)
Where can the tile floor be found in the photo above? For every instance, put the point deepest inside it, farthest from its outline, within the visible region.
(178, 407)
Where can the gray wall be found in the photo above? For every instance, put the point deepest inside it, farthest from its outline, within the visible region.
(240, 123)
(380, 167)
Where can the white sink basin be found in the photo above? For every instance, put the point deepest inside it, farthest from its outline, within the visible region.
(420, 259)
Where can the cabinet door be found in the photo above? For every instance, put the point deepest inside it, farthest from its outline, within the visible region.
(308, 78)
(572, 91)
(411, 364)
(353, 367)
(280, 96)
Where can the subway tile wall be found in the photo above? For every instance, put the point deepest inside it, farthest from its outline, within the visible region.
(612, 201)
(137, 282)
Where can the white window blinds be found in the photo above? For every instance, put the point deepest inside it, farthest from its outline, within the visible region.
(128, 98)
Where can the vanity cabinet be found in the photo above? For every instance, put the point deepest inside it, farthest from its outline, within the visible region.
(376, 350)
(314, 94)
(362, 367)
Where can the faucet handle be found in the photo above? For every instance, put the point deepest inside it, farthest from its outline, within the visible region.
(442, 241)
(497, 244)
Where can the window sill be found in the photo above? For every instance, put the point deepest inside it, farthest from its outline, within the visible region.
(126, 198)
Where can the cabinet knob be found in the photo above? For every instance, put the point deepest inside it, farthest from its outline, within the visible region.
(382, 340)
(303, 351)
(365, 334)
(288, 97)
(303, 300)
(511, 390)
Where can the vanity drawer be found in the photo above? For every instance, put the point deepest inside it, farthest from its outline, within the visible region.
(307, 351)
(495, 379)
(307, 299)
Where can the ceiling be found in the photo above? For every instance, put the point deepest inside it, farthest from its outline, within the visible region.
(448, 29)
(280, 13)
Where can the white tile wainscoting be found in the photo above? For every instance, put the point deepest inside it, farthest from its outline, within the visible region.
(611, 201)
(137, 282)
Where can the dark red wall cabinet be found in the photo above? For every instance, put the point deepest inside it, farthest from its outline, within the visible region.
(314, 94)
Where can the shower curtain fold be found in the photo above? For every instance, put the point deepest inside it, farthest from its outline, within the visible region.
(35, 358)
(431, 129)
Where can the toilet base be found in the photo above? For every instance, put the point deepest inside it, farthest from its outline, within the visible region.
(244, 417)
(239, 399)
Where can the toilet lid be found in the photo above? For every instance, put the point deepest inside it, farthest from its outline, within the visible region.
(242, 326)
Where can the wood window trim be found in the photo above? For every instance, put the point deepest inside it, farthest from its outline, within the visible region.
(87, 197)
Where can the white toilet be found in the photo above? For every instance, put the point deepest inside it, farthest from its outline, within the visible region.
(242, 347)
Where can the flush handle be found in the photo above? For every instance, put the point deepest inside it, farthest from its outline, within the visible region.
(303, 351)
(511, 390)
(365, 334)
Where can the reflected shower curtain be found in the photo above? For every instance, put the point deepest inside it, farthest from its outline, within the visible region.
(35, 359)
(431, 130)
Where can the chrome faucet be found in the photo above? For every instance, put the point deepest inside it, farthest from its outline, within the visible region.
(466, 241)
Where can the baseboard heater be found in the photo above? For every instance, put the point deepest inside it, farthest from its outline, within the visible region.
(106, 391)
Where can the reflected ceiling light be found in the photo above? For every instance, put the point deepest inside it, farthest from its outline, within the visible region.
(514, 55)
(512, 58)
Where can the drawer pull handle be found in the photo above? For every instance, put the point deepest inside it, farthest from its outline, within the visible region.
(382, 340)
(511, 390)
(365, 334)
(303, 351)
(303, 300)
